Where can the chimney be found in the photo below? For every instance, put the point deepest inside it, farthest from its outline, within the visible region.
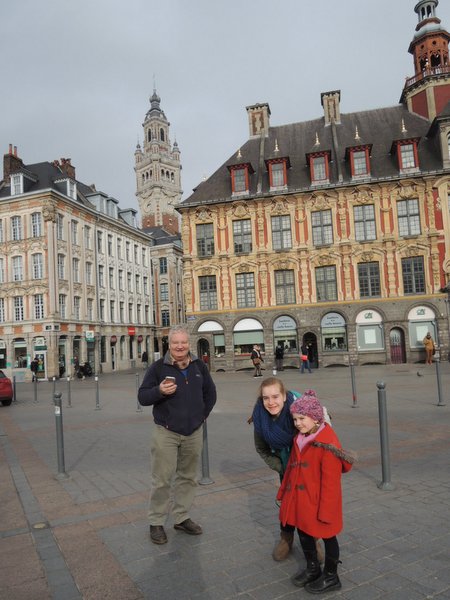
(330, 102)
(258, 119)
(67, 168)
(11, 163)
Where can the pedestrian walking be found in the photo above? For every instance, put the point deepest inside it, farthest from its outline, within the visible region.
(145, 359)
(279, 355)
(304, 359)
(430, 348)
(179, 411)
(311, 494)
(257, 359)
(34, 368)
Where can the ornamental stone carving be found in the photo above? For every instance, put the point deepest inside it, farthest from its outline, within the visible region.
(240, 210)
(49, 211)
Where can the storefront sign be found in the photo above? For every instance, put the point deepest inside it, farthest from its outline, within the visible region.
(333, 319)
(284, 323)
(131, 330)
(421, 313)
(140, 338)
(368, 317)
(90, 335)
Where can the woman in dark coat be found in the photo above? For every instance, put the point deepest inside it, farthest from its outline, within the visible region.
(273, 433)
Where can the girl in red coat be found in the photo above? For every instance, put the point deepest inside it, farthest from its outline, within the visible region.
(310, 493)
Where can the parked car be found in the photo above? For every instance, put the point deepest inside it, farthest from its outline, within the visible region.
(6, 389)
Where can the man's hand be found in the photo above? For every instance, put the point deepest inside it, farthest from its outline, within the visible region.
(168, 386)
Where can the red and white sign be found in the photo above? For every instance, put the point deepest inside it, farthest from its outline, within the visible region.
(131, 330)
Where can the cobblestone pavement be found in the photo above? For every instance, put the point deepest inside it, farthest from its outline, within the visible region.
(77, 529)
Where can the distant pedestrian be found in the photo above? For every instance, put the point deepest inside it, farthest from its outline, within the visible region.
(304, 359)
(179, 411)
(33, 368)
(145, 359)
(311, 494)
(257, 359)
(430, 348)
(279, 355)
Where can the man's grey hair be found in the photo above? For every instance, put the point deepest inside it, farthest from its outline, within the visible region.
(180, 328)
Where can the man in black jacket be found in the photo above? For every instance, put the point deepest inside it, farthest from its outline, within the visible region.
(182, 393)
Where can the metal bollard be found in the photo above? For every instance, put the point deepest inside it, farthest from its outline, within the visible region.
(59, 434)
(54, 385)
(385, 484)
(439, 382)
(14, 389)
(206, 479)
(354, 396)
(69, 394)
(35, 390)
(274, 371)
(139, 407)
(97, 394)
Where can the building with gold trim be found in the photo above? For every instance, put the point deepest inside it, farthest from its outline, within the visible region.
(333, 232)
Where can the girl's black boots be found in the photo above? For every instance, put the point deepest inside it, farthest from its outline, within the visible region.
(329, 579)
(311, 573)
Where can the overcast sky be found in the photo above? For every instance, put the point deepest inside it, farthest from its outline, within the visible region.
(77, 76)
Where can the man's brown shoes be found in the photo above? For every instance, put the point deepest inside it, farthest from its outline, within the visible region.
(188, 526)
(157, 534)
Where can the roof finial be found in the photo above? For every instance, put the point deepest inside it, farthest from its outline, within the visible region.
(239, 155)
(357, 133)
(154, 83)
(317, 142)
(276, 146)
(404, 130)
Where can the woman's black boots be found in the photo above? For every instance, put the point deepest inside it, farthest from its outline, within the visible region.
(328, 580)
(311, 573)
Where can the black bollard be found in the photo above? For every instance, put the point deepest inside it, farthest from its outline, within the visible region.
(139, 407)
(385, 484)
(437, 362)
(97, 394)
(14, 389)
(59, 434)
(354, 396)
(69, 394)
(35, 390)
(206, 479)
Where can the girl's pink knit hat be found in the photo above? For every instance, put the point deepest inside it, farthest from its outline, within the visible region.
(309, 406)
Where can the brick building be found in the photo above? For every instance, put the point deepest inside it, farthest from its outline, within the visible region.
(333, 232)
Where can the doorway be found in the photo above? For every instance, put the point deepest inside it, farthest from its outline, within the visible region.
(203, 351)
(310, 339)
(397, 343)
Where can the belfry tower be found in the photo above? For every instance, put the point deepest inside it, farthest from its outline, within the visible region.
(427, 92)
(158, 172)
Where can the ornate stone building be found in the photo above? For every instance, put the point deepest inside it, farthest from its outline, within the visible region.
(75, 274)
(333, 232)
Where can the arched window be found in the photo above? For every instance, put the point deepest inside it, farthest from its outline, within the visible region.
(218, 336)
(246, 333)
(161, 134)
(334, 332)
(369, 330)
(421, 320)
(285, 334)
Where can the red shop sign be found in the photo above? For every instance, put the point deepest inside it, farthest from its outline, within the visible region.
(131, 330)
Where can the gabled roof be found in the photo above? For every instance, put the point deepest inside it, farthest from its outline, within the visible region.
(378, 128)
(161, 236)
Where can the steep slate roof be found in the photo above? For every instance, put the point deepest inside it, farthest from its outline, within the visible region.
(160, 236)
(44, 175)
(378, 128)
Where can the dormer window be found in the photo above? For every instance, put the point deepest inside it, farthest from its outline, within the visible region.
(319, 167)
(407, 155)
(359, 161)
(277, 169)
(240, 178)
(16, 184)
